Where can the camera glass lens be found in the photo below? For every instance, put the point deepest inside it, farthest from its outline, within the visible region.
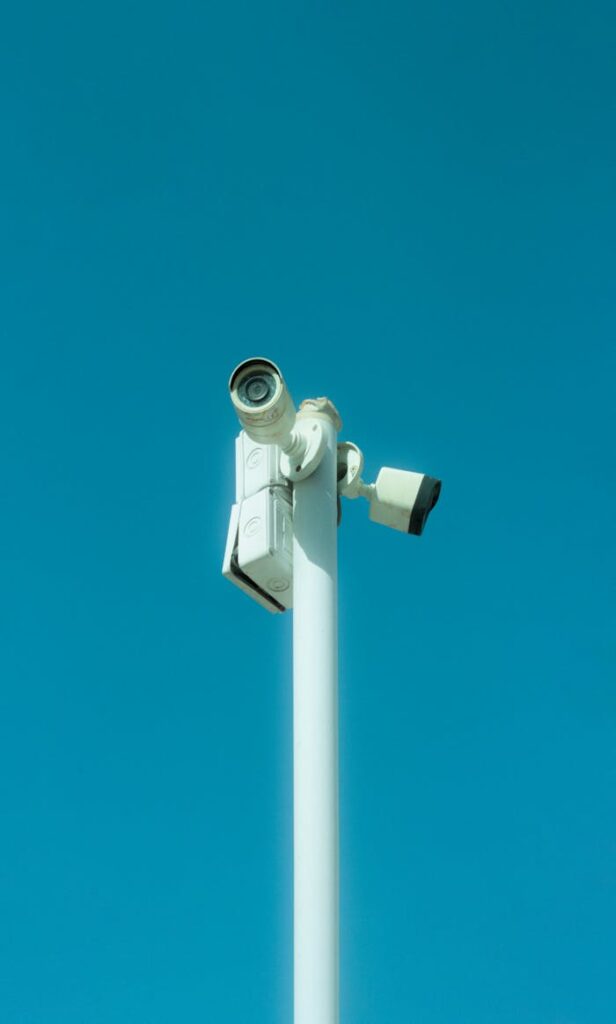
(257, 388)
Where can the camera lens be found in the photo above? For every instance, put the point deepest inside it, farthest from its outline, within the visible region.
(257, 388)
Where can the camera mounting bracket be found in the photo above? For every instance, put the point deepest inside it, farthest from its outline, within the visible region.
(305, 453)
(302, 456)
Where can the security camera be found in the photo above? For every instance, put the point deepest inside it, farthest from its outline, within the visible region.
(399, 498)
(266, 411)
(262, 402)
(403, 500)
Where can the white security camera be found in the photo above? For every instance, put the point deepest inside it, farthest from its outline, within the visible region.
(262, 402)
(403, 500)
(266, 411)
(399, 498)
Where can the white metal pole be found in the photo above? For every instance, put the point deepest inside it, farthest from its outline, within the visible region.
(315, 726)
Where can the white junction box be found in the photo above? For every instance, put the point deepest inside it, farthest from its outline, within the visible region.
(265, 543)
(257, 465)
(259, 551)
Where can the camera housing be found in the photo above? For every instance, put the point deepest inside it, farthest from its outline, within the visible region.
(262, 402)
(403, 499)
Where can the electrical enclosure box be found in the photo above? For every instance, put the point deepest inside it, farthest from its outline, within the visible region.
(232, 571)
(256, 466)
(265, 543)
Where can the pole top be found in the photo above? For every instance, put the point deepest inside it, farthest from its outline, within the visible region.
(320, 407)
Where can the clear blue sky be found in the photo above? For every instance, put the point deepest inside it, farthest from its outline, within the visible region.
(411, 207)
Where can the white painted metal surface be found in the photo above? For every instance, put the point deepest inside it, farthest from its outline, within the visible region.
(278, 449)
(315, 723)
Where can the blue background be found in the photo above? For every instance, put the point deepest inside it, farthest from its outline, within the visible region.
(412, 209)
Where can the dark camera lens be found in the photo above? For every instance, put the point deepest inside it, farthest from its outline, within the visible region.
(257, 388)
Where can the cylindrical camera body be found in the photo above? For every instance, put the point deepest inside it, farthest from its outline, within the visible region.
(262, 402)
